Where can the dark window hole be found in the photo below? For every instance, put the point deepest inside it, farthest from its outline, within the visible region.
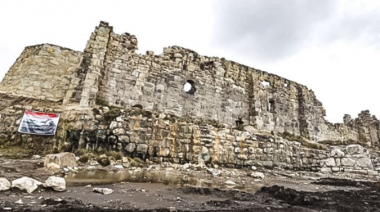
(189, 87)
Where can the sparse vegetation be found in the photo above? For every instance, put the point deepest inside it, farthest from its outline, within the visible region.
(103, 160)
(84, 158)
(303, 141)
(346, 142)
(116, 155)
(102, 102)
(112, 114)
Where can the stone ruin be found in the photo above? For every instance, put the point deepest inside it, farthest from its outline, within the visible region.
(109, 96)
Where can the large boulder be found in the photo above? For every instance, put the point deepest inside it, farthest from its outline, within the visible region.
(4, 184)
(26, 183)
(56, 183)
(62, 159)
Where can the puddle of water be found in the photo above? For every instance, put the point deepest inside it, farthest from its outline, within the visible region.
(175, 178)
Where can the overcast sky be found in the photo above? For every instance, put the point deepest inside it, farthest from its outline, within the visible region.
(331, 46)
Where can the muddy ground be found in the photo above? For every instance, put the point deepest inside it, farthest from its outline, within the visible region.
(279, 191)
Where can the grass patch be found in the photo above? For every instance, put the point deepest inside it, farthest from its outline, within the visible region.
(104, 161)
(102, 102)
(112, 114)
(346, 142)
(116, 155)
(84, 158)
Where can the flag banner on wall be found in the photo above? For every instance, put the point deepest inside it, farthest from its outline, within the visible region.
(39, 123)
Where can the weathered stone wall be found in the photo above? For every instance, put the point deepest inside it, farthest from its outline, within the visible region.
(43, 72)
(225, 90)
(112, 73)
(141, 133)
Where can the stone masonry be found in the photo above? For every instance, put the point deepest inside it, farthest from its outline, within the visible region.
(234, 114)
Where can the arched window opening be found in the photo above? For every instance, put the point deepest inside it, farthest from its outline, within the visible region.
(189, 87)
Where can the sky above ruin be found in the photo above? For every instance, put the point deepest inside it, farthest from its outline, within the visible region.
(331, 46)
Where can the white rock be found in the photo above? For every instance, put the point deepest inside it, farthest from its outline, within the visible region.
(337, 153)
(230, 182)
(258, 175)
(20, 202)
(57, 183)
(53, 166)
(36, 157)
(329, 162)
(117, 167)
(214, 172)
(186, 166)
(254, 168)
(103, 190)
(4, 184)
(26, 183)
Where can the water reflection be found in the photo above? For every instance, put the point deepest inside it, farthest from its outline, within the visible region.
(174, 178)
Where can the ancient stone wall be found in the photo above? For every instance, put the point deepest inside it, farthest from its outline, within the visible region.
(225, 90)
(43, 72)
(141, 133)
(112, 73)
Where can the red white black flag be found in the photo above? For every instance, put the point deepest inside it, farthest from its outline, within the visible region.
(39, 123)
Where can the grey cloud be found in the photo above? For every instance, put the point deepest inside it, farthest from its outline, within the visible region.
(363, 27)
(268, 29)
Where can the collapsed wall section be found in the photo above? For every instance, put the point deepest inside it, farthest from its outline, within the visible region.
(43, 72)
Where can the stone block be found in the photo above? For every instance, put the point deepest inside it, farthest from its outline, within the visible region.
(329, 162)
(347, 162)
(325, 169)
(364, 163)
(142, 148)
(335, 152)
(354, 149)
(62, 159)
